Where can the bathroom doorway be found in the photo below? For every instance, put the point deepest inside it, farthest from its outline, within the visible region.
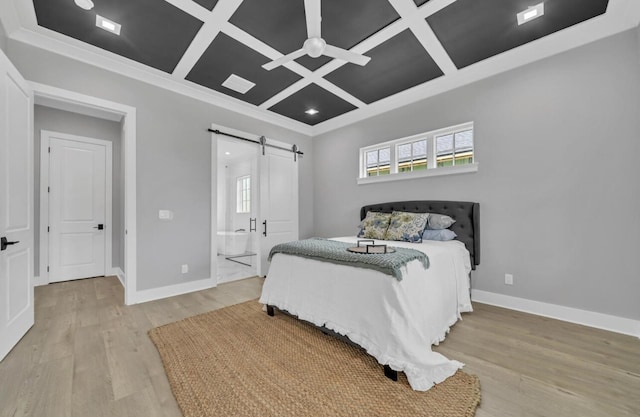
(237, 193)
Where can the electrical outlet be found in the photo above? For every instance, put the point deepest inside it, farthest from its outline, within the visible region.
(185, 268)
(165, 214)
(508, 279)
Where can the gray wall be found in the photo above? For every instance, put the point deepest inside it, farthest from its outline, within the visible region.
(558, 143)
(173, 161)
(46, 118)
(3, 38)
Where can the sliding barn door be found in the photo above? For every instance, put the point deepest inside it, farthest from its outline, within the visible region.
(278, 202)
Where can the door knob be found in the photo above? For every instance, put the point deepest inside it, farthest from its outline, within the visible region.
(4, 243)
(99, 227)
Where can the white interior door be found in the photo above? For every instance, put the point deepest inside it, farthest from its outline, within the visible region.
(16, 206)
(77, 208)
(278, 202)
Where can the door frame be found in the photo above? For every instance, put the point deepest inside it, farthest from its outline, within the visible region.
(45, 242)
(214, 193)
(97, 107)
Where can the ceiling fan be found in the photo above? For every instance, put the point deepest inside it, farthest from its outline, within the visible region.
(315, 46)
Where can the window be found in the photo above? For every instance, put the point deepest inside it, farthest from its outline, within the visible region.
(454, 148)
(378, 162)
(412, 156)
(439, 152)
(244, 194)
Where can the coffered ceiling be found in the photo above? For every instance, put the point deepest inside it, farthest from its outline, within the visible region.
(417, 47)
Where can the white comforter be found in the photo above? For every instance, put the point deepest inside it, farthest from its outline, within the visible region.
(395, 321)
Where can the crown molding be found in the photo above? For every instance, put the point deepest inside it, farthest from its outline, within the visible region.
(18, 18)
(622, 15)
(89, 54)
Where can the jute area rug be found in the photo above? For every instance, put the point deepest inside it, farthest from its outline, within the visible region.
(237, 361)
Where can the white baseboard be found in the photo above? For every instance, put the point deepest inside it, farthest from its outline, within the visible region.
(573, 315)
(172, 290)
(120, 274)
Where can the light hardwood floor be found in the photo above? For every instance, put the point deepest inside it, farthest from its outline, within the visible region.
(89, 355)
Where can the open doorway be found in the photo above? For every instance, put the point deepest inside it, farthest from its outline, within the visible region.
(268, 170)
(123, 218)
(236, 239)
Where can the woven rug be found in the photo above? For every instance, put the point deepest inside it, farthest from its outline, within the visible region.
(238, 361)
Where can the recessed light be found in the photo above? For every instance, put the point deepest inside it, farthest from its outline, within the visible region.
(311, 112)
(108, 25)
(531, 13)
(84, 4)
(227, 153)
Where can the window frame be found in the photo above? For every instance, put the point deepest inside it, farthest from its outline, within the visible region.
(378, 164)
(432, 168)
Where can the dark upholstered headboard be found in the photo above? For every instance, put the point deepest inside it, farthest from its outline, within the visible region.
(466, 214)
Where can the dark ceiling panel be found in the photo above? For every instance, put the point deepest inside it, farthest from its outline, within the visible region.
(226, 56)
(153, 33)
(397, 64)
(157, 34)
(281, 24)
(312, 96)
(472, 30)
(207, 4)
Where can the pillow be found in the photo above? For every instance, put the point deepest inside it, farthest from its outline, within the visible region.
(406, 227)
(440, 234)
(439, 221)
(375, 225)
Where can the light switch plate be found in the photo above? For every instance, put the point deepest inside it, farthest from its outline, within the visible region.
(165, 214)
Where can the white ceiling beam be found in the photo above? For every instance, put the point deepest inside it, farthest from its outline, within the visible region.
(422, 31)
(193, 8)
(262, 48)
(292, 89)
(432, 7)
(365, 46)
(329, 86)
(614, 21)
(317, 76)
(213, 21)
(92, 55)
(308, 76)
(19, 20)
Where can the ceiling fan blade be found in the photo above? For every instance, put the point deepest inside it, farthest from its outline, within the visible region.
(354, 58)
(283, 60)
(313, 12)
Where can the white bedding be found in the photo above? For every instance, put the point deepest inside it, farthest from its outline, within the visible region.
(395, 321)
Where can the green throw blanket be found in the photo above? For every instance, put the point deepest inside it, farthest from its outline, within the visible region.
(336, 252)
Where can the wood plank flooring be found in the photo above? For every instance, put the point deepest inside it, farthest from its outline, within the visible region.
(89, 355)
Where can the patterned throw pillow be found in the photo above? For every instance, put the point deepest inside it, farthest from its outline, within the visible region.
(407, 227)
(375, 225)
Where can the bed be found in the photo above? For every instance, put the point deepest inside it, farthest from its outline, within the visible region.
(395, 321)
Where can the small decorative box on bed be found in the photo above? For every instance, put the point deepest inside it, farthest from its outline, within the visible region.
(394, 305)
(368, 246)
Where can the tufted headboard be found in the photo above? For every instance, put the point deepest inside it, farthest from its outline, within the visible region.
(466, 214)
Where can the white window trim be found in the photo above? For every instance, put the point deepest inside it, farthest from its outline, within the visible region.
(431, 171)
(460, 169)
